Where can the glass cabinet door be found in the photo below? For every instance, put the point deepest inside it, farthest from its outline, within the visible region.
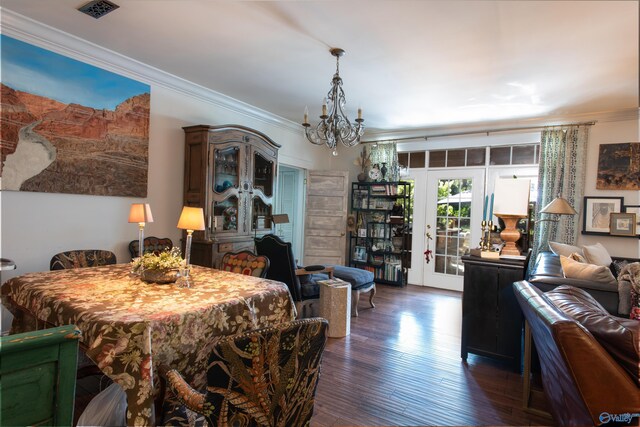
(225, 215)
(226, 170)
(262, 219)
(263, 171)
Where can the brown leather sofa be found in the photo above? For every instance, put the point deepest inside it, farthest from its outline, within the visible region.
(589, 378)
(547, 274)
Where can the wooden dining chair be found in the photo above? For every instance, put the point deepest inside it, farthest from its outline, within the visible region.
(245, 262)
(264, 377)
(82, 258)
(150, 244)
(38, 374)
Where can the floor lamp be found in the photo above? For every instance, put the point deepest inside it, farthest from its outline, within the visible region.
(558, 206)
(140, 213)
(280, 219)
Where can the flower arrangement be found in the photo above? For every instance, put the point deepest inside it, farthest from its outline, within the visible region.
(165, 260)
(364, 160)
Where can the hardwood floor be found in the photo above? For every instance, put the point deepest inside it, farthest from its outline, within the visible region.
(401, 366)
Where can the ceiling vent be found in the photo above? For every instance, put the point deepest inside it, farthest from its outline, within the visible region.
(98, 8)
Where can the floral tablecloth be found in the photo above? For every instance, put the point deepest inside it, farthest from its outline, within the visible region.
(130, 326)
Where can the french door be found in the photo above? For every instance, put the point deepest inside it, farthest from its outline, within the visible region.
(453, 217)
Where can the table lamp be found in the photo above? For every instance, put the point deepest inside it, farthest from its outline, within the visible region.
(191, 219)
(511, 204)
(140, 213)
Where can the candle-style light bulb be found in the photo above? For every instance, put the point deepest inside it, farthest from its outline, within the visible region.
(359, 113)
(324, 106)
(306, 114)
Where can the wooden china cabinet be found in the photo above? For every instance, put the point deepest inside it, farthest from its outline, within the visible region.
(230, 172)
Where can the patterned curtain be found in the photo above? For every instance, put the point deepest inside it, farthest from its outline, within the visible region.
(563, 155)
(387, 154)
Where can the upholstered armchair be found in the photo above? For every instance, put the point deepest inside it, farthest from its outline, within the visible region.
(245, 262)
(81, 258)
(302, 282)
(265, 377)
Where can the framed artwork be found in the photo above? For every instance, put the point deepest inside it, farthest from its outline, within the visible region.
(619, 166)
(636, 210)
(360, 253)
(597, 213)
(70, 127)
(623, 224)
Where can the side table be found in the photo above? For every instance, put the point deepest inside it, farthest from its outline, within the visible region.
(335, 306)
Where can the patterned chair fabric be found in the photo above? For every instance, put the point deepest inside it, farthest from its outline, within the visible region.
(151, 244)
(264, 377)
(82, 258)
(246, 263)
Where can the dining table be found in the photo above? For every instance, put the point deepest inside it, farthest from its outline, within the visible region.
(130, 327)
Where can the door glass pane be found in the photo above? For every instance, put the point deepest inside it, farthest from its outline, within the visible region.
(226, 214)
(226, 169)
(262, 175)
(453, 218)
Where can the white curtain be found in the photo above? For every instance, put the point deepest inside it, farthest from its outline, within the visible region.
(561, 172)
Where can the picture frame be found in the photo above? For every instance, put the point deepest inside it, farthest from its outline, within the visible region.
(596, 213)
(615, 166)
(623, 224)
(360, 253)
(636, 210)
(362, 232)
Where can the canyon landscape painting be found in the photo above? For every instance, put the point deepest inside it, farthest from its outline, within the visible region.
(69, 127)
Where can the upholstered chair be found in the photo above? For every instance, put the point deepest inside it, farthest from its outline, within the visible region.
(150, 244)
(245, 262)
(302, 283)
(264, 377)
(82, 258)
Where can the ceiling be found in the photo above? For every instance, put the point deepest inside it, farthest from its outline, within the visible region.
(408, 64)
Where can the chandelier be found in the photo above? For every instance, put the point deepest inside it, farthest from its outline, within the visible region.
(334, 127)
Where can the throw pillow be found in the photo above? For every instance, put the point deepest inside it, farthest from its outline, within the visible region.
(597, 254)
(564, 249)
(578, 270)
(619, 336)
(577, 257)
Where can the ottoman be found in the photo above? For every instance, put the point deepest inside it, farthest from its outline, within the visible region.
(361, 281)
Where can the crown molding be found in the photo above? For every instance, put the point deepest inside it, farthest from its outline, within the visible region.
(30, 31)
(419, 134)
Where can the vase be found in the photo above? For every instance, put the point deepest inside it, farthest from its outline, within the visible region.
(362, 177)
(159, 276)
(383, 170)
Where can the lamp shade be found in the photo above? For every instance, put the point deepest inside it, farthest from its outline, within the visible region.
(280, 219)
(191, 219)
(511, 196)
(559, 206)
(140, 212)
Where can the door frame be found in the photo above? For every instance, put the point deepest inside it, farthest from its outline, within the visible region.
(297, 243)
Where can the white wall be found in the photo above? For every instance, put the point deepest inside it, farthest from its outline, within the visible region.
(35, 226)
(610, 133)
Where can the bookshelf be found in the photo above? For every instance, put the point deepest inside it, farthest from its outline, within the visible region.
(379, 242)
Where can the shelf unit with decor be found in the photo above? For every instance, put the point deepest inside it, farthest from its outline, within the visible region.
(230, 171)
(380, 242)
